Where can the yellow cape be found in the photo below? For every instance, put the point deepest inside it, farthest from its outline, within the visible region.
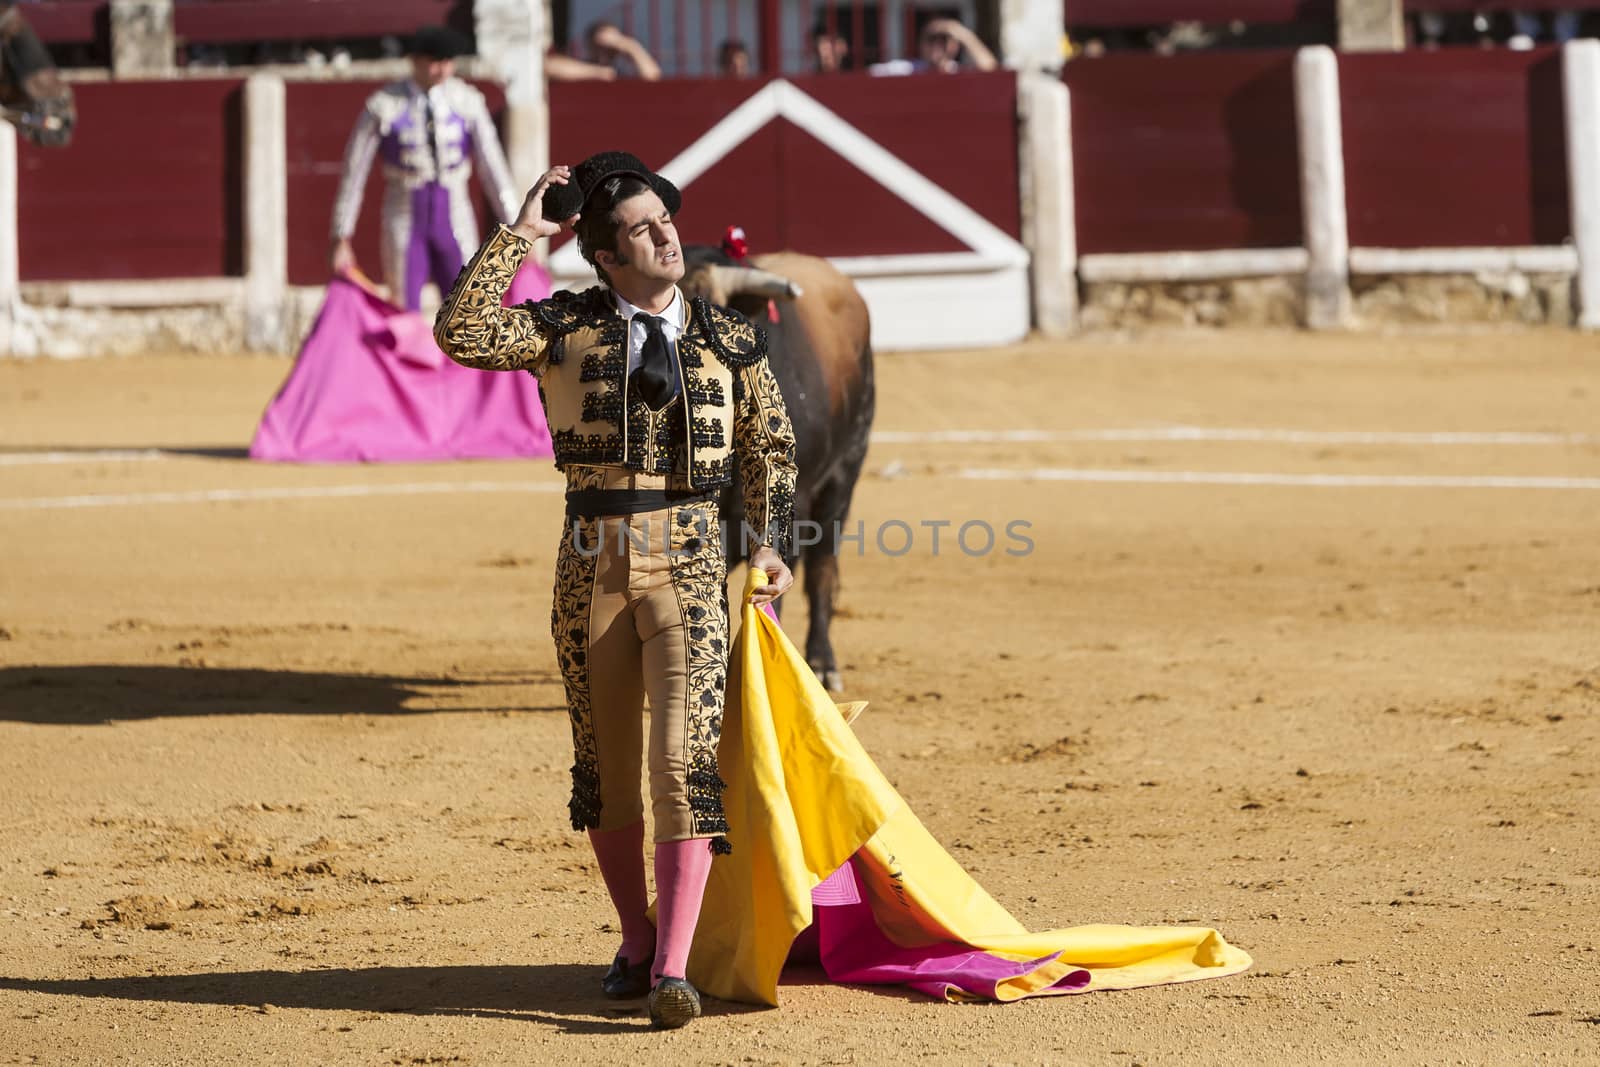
(803, 797)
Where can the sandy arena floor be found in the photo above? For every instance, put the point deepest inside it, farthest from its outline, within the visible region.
(282, 768)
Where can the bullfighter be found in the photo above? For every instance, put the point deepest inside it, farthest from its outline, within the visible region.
(428, 129)
(655, 403)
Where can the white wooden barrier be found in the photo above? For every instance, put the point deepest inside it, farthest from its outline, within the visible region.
(266, 212)
(1049, 225)
(977, 297)
(9, 262)
(1580, 63)
(1327, 261)
(1322, 189)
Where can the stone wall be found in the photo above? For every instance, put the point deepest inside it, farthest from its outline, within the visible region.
(1452, 299)
(1509, 298)
(1236, 302)
(77, 332)
(71, 332)
(1380, 301)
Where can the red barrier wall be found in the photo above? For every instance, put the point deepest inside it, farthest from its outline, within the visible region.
(150, 188)
(787, 189)
(69, 21)
(226, 21)
(171, 206)
(1084, 13)
(320, 117)
(1190, 152)
(1455, 148)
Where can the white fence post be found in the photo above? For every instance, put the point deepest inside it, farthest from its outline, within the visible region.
(1049, 225)
(1322, 192)
(142, 39)
(266, 212)
(10, 263)
(1031, 33)
(512, 36)
(1580, 75)
(1371, 26)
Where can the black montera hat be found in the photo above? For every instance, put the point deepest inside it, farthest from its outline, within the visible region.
(564, 201)
(439, 42)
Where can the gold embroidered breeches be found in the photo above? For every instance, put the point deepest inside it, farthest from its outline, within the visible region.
(641, 613)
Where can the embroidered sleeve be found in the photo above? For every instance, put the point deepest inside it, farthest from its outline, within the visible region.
(358, 155)
(764, 440)
(475, 330)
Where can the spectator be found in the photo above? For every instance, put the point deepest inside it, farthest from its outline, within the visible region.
(1090, 48)
(1437, 28)
(1184, 37)
(830, 51)
(1430, 29)
(1528, 29)
(610, 47)
(940, 49)
(560, 67)
(733, 59)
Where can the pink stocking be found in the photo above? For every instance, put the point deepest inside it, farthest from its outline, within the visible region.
(620, 854)
(681, 871)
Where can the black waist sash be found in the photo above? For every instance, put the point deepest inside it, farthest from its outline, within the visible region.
(593, 503)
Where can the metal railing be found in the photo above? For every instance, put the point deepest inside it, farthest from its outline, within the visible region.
(686, 37)
(1097, 14)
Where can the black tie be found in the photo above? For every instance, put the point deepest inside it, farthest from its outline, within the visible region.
(658, 377)
(432, 134)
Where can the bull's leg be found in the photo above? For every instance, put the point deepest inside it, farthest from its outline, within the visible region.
(830, 506)
(820, 570)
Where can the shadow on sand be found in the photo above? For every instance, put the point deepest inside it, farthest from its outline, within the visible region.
(563, 994)
(105, 693)
(89, 452)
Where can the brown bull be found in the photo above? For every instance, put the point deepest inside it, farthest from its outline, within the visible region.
(32, 95)
(821, 356)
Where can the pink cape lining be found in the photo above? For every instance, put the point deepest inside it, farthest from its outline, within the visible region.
(371, 386)
(845, 938)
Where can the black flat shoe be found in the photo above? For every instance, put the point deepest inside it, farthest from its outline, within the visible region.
(673, 1002)
(625, 982)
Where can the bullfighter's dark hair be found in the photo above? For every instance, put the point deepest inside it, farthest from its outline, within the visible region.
(597, 223)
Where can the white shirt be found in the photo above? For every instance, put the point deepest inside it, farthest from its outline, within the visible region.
(672, 323)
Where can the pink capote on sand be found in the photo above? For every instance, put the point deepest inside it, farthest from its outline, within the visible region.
(370, 386)
(845, 939)
(829, 863)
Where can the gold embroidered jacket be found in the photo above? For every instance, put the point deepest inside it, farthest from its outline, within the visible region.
(728, 416)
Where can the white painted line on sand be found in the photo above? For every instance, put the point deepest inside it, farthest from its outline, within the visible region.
(1247, 434)
(1315, 481)
(308, 492)
(919, 437)
(109, 455)
(1040, 474)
